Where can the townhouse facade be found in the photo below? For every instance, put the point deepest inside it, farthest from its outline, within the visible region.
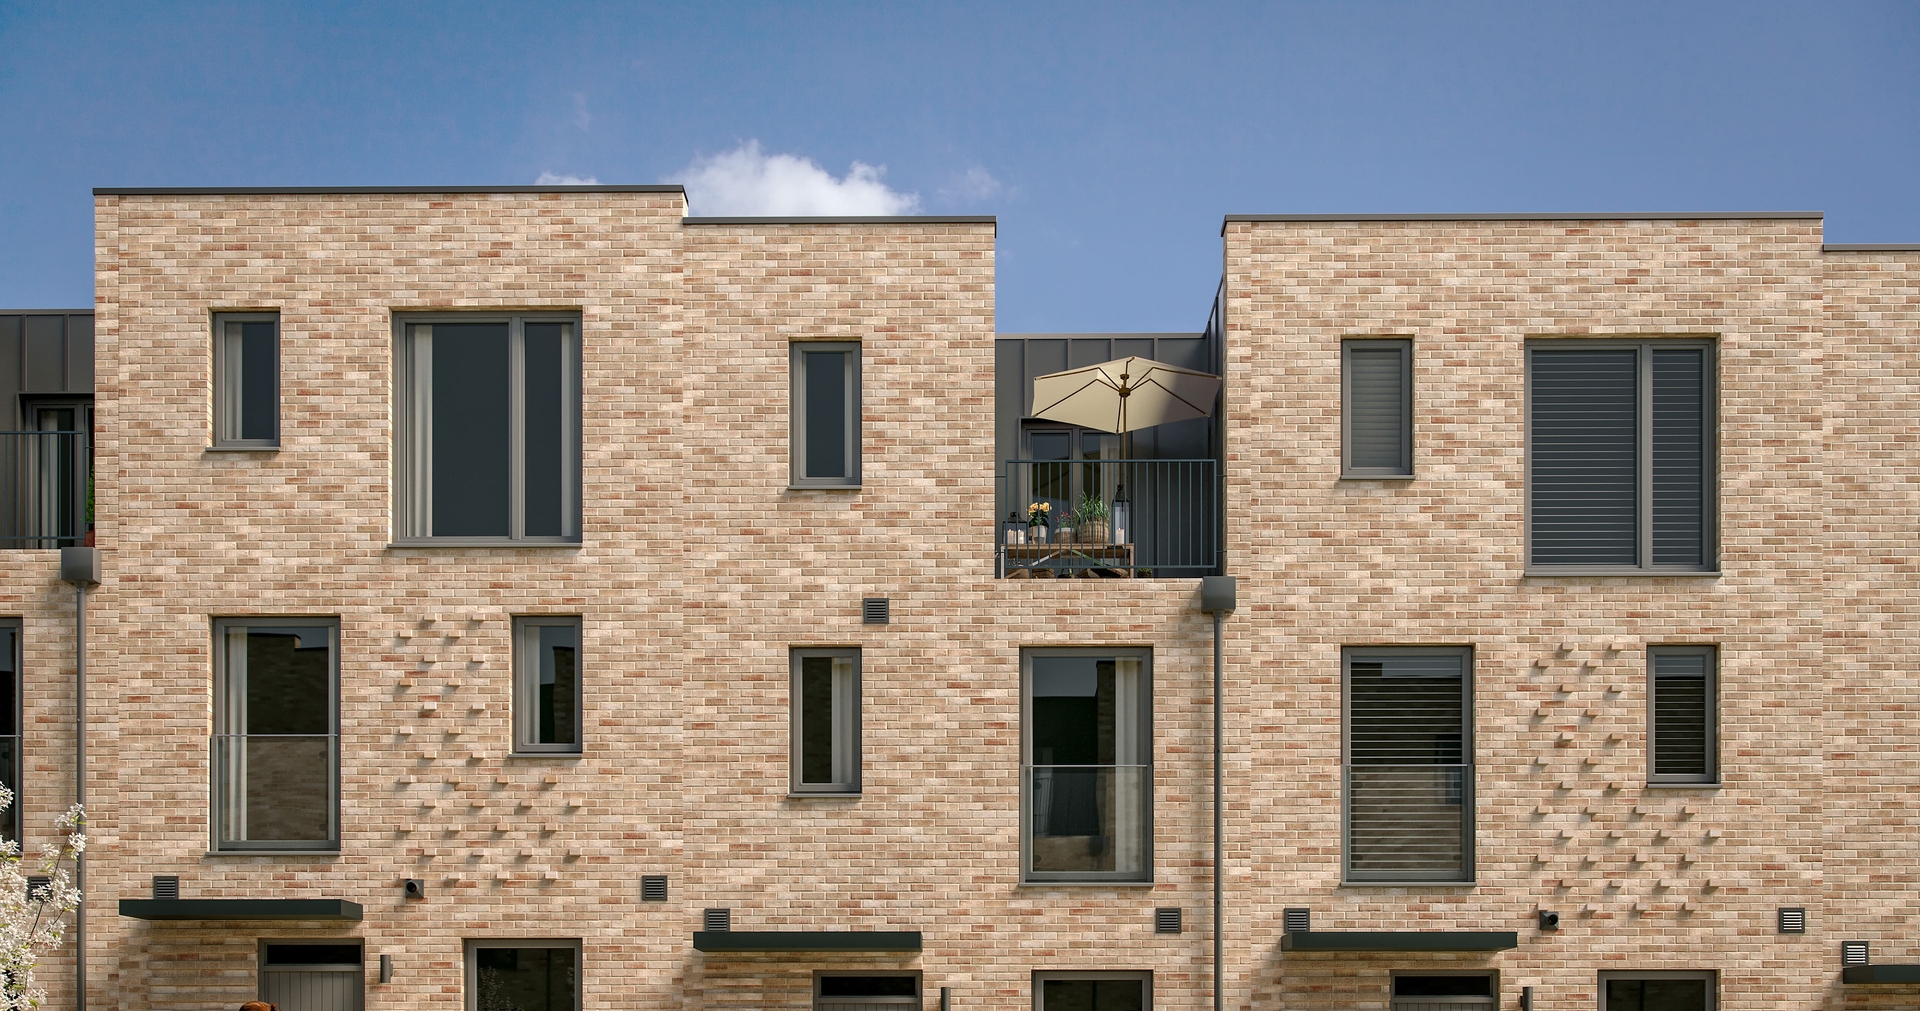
(538, 598)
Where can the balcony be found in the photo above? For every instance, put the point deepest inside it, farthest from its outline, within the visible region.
(46, 489)
(1111, 519)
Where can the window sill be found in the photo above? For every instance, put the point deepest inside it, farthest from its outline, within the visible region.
(547, 754)
(1585, 572)
(823, 487)
(823, 795)
(1086, 884)
(1715, 785)
(273, 853)
(1376, 477)
(275, 448)
(1409, 884)
(477, 542)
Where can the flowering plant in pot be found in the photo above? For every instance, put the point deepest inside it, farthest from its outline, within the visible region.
(1039, 519)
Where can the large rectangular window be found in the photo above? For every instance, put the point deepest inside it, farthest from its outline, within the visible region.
(1409, 764)
(826, 414)
(547, 692)
(1680, 731)
(487, 429)
(1092, 991)
(1376, 410)
(826, 720)
(516, 975)
(1657, 991)
(246, 380)
(10, 719)
(276, 744)
(1087, 750)
(1620, 465)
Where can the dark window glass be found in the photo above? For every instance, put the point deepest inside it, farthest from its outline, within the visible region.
(1679, 457)
(816, 719)
(1656, 995)
(868, 986)
(1682, 713)
(1093, 994)
(275, 758)
(289, 680)
(526, 979)
(313, 954)
(1443, 986)
(546, 416)
(1409, 771)
(472, 444)
(259, 375)
(10, 729)
(826, 721)
(559, 689)
(1585, 494)
(1089, 766)
(826, 420)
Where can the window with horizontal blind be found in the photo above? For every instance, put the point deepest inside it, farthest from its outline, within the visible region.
(1408, 764)
(1376, 407)
(1620, 464)
(1681, 731)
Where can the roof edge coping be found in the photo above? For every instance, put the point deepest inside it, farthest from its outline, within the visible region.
(1608, 216)
(194, 191)
(1871, 247)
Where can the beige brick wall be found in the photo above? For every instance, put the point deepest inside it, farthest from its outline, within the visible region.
(700, 568)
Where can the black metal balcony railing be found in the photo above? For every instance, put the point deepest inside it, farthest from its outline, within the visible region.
(1161, 518)
(46, 479)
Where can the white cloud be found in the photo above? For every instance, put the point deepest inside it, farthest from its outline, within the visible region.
(748, 181)
(556, 179)
(975, 185)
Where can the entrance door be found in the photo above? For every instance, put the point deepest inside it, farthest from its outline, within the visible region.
(313, 977)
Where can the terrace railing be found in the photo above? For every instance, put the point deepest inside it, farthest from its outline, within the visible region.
(1113, 518)
(46, 481)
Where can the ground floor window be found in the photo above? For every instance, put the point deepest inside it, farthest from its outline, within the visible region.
(1444, 992)
(1092, 991)
(522, 975)
(866, 991)
(313, 977)
(1656, 991)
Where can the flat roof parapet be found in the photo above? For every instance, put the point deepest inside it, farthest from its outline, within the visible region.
(203, 191)
(1606, 216)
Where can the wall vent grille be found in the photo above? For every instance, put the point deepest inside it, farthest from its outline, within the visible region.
(876, 610)
(1166, 920)
(1853, 953)
(653, 888)
(1793, 920)
(166, 886)
(718, 919)
(1296, 919)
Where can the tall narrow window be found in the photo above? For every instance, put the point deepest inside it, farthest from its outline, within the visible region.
(1092, 991)
(826, 414)
(246, 380)
(276, 745)
(826, 720)
(10, 725)
(1621, 447)
(1681, 732)
(547, 696)
(1377, 407)
(488, 429)
(523, 975)
(1409, 764)
(1088, 746)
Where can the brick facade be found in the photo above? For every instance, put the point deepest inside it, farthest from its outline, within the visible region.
(699, 568)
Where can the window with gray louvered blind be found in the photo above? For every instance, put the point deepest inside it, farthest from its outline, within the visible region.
(1680, 733)
(1409, 764)
(1377, 407)
(1620, 454)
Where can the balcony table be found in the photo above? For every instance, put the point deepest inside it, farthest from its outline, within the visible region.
(1070, 558)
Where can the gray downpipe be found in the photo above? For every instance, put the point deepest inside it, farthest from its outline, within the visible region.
(81, 567)
(1219, 816)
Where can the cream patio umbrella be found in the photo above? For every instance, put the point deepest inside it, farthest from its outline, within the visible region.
(1124, 395)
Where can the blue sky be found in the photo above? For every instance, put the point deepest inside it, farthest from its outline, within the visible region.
(1110, 138)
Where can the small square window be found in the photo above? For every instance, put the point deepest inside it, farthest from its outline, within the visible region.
(246, 380)
(826, 414)
(525, 975)
(826, 721)
(547, 685)
(1377, 407)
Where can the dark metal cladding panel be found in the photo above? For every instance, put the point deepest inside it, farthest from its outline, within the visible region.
(80, 353)
(46, 357)
(10, 326)
(1085, 351)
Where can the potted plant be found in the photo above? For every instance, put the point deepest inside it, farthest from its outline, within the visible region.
(1039, 521)
(1090, 519)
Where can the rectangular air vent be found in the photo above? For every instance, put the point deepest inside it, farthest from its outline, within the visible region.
(1793, 920)
(1853, 953)
(39, 886)
(718, 919)
(653, 888)
(166, 886)
(1166, 920)
(876, 610)
(1296, 919)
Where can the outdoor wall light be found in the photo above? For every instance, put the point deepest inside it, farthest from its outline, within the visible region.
(386, 968)
(414, 888)
(1549, 920)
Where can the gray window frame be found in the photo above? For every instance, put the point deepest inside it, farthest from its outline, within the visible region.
(226, 393)
(1712, 776)
(1027, 875)
(1491, 1003)
(471, 947)
(852, 788)
(526, 701)
(412, 448)
(220, 627)
(904, 1003)
(1347, 469)
(1042, 975)
(797, 407)
(261, 969)
(11, 822)
(1469, 832)
(1712, 978)
(1643, 424)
